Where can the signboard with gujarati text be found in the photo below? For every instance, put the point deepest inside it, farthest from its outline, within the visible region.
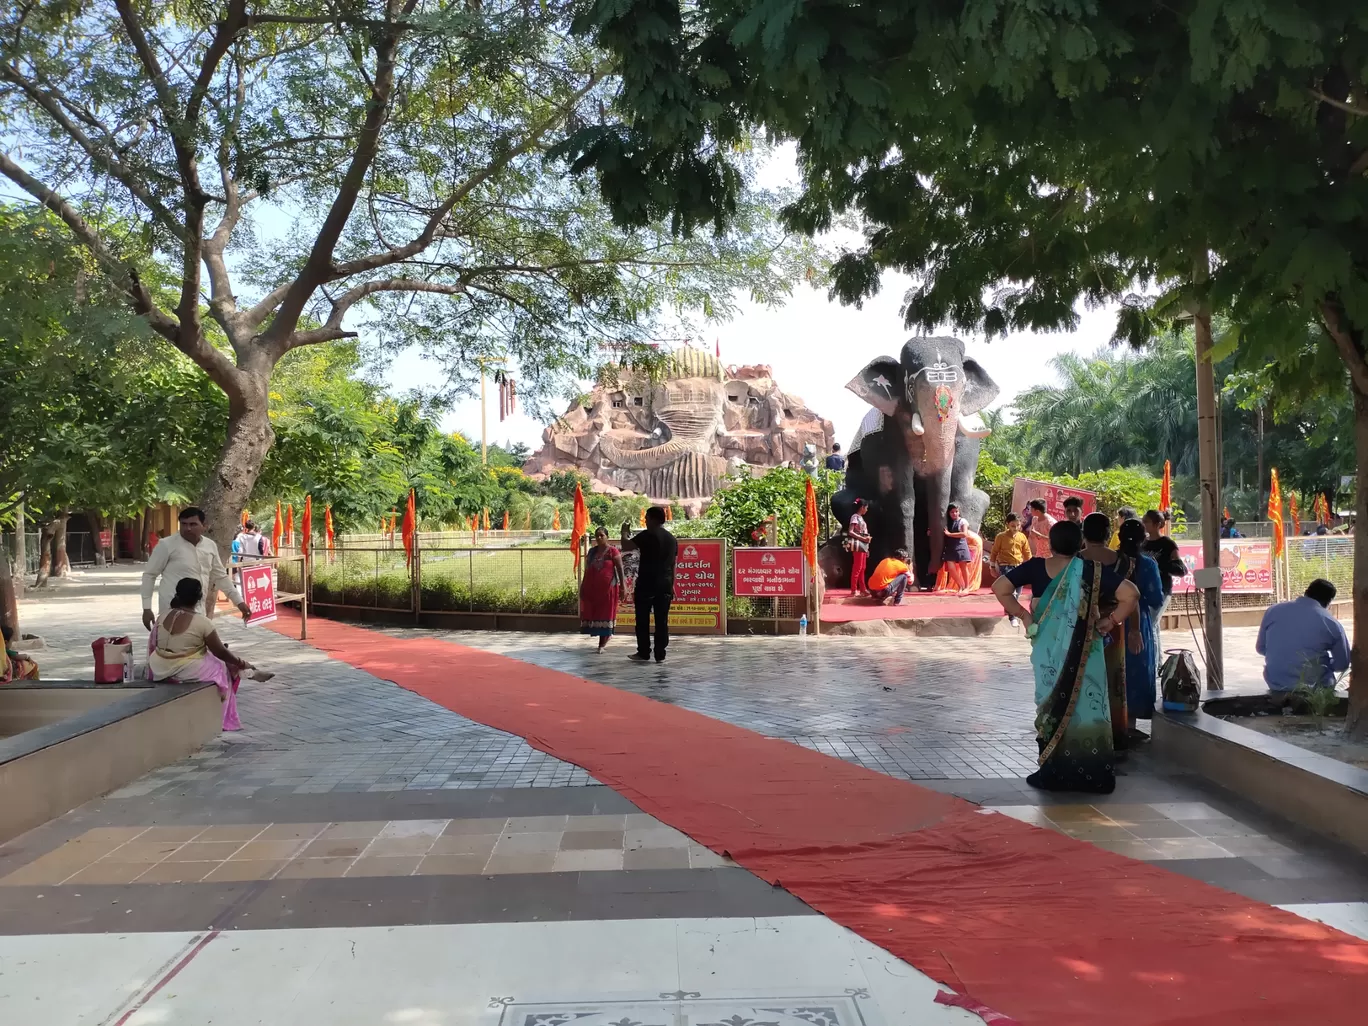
(768, 572)
(699, 595)
(258, 585)
(1246, 564)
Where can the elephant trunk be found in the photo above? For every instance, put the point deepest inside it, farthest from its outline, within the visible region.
(643, 459)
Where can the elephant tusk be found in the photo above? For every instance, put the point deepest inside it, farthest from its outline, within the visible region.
(918, 428)
(973, 426)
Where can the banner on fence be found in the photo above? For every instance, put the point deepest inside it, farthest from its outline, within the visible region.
(1024, 489)
(768, 572)
(259, 591)
(1246, 564)
(698, 608)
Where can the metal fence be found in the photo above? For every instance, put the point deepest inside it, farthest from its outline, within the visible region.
(1328, 556)
(80, 549)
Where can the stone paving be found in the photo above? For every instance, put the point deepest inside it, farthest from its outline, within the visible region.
(350, 813)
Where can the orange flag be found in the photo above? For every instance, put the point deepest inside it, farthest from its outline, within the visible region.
(245, 518)
(555, 520)
(505, 526)
(810, 528)
(1275, 515)
(409, 527)
(580, 527)
(275, 531)
(1166, 489)
(1225, 513)
(289, 524)
(1292, 512)
(641, 520)
(486, 519)
(328, 530)
(669, 512)
(306, 526)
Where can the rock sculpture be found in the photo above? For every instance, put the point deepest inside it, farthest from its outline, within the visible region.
(916, 452)
(678, 433)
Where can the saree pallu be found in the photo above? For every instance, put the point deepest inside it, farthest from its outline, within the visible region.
(1073, 707)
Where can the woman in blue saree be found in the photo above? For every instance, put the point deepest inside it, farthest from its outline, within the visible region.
(1142, 642)
(1066, 628)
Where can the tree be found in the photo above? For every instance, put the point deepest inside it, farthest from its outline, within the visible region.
(1068, 152)
(294, 167)
(1124, 409)
(96, 418)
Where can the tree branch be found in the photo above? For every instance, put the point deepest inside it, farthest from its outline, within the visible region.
(1348, 108)
(317, 268)
(1332, 316)
(332, 329)
(219, 368)
(53, 103)
(429, 232)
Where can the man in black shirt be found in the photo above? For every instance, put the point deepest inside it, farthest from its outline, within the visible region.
(654, 584)
(1164, 550)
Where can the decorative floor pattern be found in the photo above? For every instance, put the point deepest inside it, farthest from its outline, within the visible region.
(315, 851)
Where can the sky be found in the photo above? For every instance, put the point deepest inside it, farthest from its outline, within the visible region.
(813, 344)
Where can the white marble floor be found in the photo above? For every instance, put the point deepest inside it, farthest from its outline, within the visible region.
(794, 971)
(1349, 916)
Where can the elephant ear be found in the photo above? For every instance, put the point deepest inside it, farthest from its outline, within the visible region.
(979, 389)
(880, 384)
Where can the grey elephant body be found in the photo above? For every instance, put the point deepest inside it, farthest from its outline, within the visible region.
(922, 456)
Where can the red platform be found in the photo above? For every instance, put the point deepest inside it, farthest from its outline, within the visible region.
(841, 607)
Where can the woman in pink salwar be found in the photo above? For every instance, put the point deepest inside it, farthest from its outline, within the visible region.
(184, 646)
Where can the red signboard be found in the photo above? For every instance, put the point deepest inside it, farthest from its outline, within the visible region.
(106, 540)
(258, 585)
(1024, 490)
(765, 571)
(698, 593)
(1246, 564)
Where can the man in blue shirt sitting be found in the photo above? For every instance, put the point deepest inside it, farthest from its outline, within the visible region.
(1302, 644)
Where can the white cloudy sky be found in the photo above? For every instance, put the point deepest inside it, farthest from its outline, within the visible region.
(815, 347)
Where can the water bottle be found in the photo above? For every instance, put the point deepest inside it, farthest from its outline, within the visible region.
(802, 626)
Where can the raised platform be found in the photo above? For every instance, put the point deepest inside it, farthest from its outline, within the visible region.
(923, 613)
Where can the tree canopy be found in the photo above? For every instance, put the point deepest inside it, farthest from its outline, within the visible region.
(308, 172)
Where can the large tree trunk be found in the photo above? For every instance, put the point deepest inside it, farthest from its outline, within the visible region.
(239, 463)
(61, 563)
(1209, 471)
(45, 535)
(1357, 724)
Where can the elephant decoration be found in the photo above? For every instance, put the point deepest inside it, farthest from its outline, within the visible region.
(917, 450)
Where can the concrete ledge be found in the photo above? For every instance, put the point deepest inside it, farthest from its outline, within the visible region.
(110, 737)
(1322, 794)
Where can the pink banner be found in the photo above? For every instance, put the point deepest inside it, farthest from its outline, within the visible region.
(259, 591)
(1024, 490)
(767, 571)
(1246, 564)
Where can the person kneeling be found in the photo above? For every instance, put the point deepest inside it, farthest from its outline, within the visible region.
(185, 647)
(891, 578)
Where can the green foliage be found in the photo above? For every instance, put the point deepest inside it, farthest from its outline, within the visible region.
(95, 416)
(1118, 408)
(747, 501)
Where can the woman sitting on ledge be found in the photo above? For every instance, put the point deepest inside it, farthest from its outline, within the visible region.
(185, 647)
(14, 666)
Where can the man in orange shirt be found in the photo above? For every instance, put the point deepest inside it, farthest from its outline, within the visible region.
(891, 578)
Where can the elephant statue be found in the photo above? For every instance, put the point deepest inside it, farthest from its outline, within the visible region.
(917, 451)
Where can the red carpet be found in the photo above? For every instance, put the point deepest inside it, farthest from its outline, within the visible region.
(839, 608)
(1032, 924)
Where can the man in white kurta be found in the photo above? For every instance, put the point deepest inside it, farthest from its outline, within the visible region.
(187, 554)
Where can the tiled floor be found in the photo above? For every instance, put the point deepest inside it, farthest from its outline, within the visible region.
(353, 823)
(422, 847)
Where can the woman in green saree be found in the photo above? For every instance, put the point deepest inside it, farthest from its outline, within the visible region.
(1066, 628)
